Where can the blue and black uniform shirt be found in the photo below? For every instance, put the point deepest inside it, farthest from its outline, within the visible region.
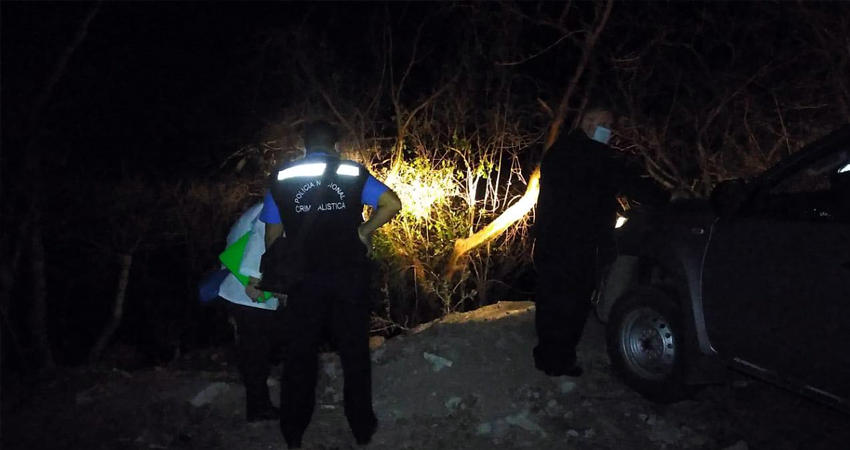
(330, 190)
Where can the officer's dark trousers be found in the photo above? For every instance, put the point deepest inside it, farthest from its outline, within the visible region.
(563, 293)
(336, 301)
(259, 338)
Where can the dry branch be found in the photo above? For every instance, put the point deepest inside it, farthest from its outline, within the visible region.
(117, 308)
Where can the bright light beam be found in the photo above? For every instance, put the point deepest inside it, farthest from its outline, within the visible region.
(517, 211)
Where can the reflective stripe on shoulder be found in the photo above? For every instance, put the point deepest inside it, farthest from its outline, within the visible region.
(348, 170)
(844, 169)
(302, 170)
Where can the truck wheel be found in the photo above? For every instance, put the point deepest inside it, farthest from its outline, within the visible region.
(645, 343)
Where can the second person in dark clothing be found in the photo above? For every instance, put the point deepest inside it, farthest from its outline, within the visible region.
(580, 177)
(317, 202)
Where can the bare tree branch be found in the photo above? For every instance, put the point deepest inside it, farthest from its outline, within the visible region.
(529, 58)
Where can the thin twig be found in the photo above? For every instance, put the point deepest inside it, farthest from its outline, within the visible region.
(529, 58)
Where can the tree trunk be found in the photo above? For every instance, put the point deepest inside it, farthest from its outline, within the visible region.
(32, 131)
(117, 309)
(38, 311)
(8, 274)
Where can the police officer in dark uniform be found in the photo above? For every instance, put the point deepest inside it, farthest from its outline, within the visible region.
(317, 201)
(580, 177)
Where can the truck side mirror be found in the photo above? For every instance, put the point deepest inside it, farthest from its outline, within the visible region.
(728, 196)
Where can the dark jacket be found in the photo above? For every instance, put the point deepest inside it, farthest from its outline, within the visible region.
(579, 182)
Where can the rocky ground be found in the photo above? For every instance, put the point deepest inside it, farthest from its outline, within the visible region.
(465, 382)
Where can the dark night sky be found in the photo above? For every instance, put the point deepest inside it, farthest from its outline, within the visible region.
(177, 84)
(162, 83)
(146, 77)
(150, 77)
(158, 83)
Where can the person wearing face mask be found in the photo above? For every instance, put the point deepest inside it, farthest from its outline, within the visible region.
(580, 178)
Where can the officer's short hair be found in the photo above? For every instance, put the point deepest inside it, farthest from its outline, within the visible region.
(596, 105)
(320, 135)
(598, 100)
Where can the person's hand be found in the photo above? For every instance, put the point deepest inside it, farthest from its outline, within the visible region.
(366, 239)
(251, 289)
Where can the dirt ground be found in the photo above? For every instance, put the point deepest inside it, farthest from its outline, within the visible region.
(465, 382)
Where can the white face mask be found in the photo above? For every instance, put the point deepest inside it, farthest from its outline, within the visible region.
(602, 135)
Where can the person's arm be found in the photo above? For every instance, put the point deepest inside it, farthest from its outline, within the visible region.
(635, 184)
(273, 231)
(388, 206)
(270, 216)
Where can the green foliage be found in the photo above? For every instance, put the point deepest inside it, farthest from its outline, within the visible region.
(432, 218)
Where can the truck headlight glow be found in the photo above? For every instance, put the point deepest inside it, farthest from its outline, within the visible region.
(620, 221)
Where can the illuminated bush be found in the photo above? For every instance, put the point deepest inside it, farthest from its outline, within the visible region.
(446, 198)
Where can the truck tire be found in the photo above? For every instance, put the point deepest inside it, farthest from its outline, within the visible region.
(645, 342)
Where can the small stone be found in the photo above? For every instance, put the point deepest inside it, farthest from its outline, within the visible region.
(552, 403)
(437, 362)
(209, 393)
(484, 429)
(652, 420)
(453, 403)
(567, 387)
(521, 420)
(586, 404)
(589, 433)
(573, 433)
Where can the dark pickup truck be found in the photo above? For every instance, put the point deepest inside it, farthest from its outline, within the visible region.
(757, 278)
